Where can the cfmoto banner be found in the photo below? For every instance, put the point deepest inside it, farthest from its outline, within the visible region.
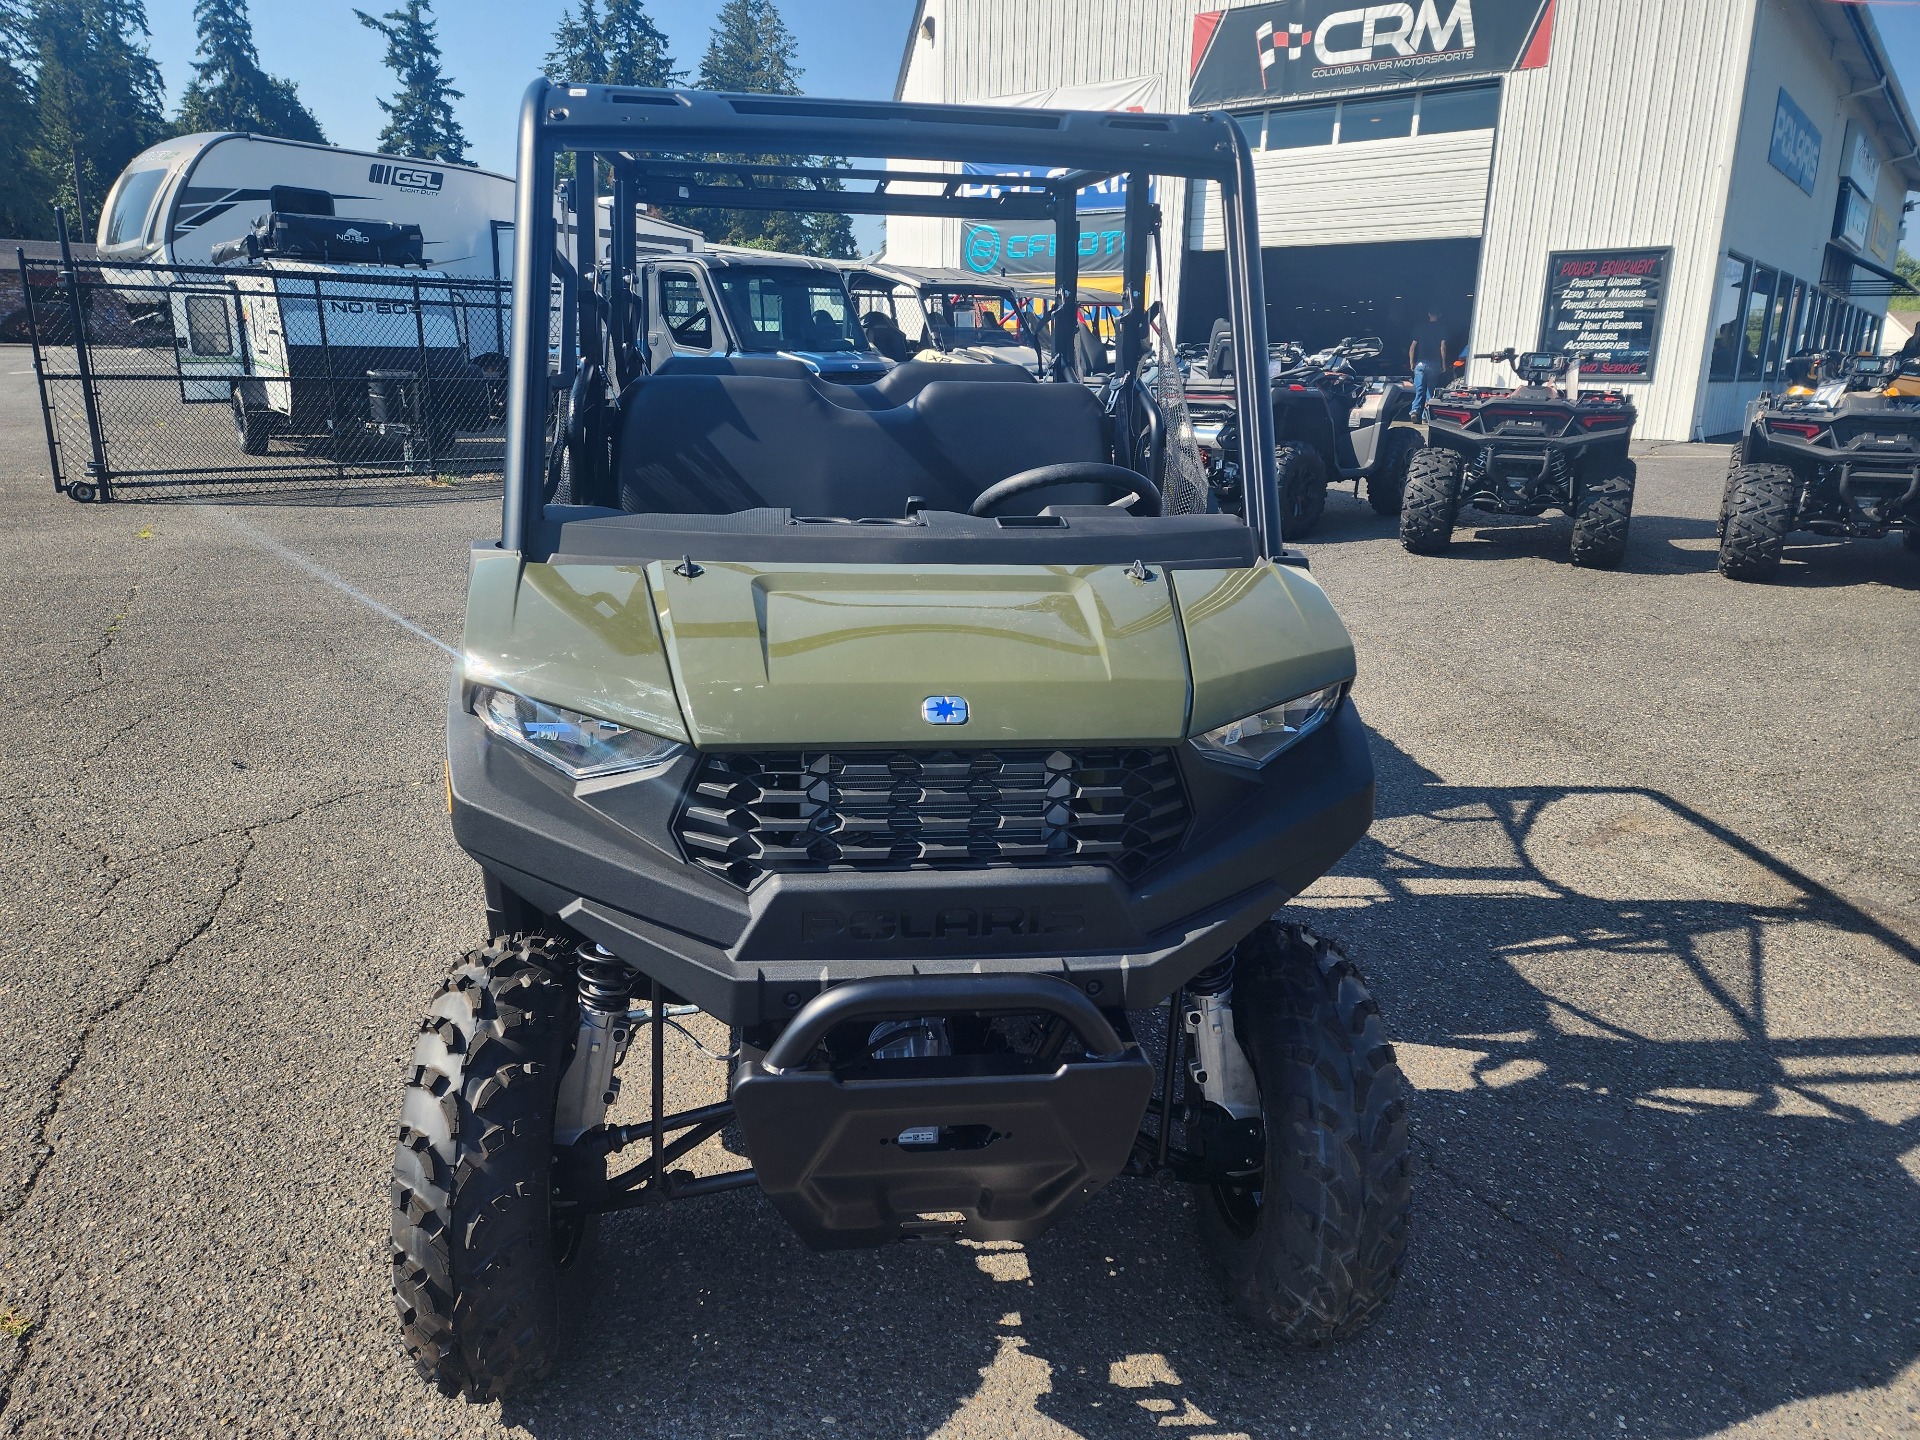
(1295, 48)
(1012, 248)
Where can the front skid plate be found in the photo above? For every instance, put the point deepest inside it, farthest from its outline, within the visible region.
(866, 1161)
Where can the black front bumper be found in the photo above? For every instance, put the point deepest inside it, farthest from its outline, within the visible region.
(600, 855)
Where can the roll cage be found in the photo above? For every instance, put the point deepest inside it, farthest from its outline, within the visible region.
(652, 141)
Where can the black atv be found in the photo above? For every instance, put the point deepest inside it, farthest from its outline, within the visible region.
(1329, 423)
(1838, 454)
(1544, 446)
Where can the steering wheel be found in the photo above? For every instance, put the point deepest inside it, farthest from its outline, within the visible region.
(1131, 485)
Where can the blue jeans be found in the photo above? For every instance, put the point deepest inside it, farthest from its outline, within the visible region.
(1422, 390)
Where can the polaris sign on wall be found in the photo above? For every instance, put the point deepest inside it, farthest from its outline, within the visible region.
(1795, 148)
(1293, 48)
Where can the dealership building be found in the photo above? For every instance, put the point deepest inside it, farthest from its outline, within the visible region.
(1689, 189)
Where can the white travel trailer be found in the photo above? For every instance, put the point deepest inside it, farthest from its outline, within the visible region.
(176, 200)
(330, 330)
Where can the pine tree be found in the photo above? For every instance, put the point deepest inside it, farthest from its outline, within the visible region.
(24, 195)
(229, 90)
(97, 93)
(576, 57)
(752, 51)
(635, 48)
(420, 117)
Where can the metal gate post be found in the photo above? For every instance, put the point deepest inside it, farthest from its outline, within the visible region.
(97, 466)
(39, 371)
(326, 355)
(424, 404)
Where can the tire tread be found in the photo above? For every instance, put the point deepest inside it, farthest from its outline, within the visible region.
(1325, 1255)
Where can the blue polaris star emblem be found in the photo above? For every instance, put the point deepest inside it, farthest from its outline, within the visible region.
(943, 710)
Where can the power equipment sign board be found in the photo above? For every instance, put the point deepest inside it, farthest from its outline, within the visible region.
(1606, 304)
(1289, 49)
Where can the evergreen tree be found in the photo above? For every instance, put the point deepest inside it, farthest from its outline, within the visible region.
(229, 90)
(420, 117)
(1908, 269)
(635, 48)
(24, 196)
(752, 51)
(97, 93)
(576, 57)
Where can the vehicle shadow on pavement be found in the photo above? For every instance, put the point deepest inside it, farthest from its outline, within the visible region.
(350, 495)
(1668, 1178)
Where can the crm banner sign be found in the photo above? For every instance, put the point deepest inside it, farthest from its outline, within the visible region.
(1296, 48)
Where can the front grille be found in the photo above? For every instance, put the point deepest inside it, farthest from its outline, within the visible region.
(750, 815)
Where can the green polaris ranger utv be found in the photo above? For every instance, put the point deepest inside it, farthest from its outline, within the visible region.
(928, 733)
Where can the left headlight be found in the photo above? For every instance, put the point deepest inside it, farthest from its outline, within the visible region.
(1255, 739)
(581, 745)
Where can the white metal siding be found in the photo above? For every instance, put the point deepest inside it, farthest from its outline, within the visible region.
(1770, 219)
(1625, 139)
(987, 48)
(1431, 187)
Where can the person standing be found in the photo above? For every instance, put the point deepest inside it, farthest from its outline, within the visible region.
(1427, 357)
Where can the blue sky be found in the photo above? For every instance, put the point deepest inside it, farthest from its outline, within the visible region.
(494, 47)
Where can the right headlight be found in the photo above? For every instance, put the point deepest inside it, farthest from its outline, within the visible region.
(583, 746)
(1255, 739)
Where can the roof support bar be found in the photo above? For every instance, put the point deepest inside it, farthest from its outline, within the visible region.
(1066, 280)
(527, 367)
(1252, 389)
(666, 191)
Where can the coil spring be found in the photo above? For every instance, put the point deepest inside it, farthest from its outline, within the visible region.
(1215, 979)
(606, 981)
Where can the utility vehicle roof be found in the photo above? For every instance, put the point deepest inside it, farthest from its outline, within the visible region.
(653, 126)
(932, 278)
(722, 256)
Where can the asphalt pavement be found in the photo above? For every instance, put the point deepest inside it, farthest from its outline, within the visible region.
(1642, 905)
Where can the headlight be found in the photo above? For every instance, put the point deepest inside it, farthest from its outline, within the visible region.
(1257, 738)
(581, 745)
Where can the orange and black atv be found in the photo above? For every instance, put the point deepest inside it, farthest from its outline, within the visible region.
(1837, 454)
(1548, 445)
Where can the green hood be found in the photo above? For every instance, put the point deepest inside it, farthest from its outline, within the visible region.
(767, 655)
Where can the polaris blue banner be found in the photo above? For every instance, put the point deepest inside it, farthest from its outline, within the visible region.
(1110, 194)
(1795, 151)
(1291, 49)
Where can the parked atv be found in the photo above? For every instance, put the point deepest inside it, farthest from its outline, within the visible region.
(1547, 445)
(1329, 423)
(1837, 454)
(911, 731)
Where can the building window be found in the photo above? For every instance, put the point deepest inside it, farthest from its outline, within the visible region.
(1390, 117)
(1807, 337)
(1443, 112)
(1378, 117)
(1777, 331)
(1753, 336)
(1729, 305)
(1299, 128)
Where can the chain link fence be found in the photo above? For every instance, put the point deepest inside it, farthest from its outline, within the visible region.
(198, 380)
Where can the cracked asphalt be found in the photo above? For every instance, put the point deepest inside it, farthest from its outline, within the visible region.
(1642, 905)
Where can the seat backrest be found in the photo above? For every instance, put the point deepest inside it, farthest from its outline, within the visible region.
(771, 366)
(709, 444)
